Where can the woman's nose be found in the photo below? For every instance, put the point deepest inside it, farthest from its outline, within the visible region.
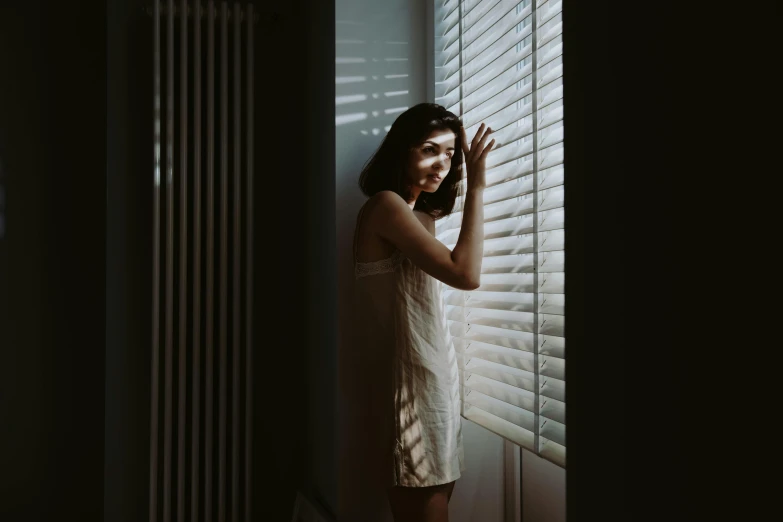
(440, 162)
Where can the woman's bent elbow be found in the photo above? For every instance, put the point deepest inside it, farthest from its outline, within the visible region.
(469, 283)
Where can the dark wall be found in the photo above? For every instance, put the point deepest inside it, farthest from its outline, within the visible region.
(321, 229)
(75, 162)
(294, 242)
(621, 170)
(128, 142)
(76, 158)
(53, 255)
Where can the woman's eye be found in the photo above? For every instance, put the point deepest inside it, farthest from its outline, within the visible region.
(432, 149)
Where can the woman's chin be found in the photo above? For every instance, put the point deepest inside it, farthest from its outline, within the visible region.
(431, 186)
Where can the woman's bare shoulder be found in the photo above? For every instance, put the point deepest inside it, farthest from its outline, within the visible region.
(384, 204)
(388, 208)
(386, 198)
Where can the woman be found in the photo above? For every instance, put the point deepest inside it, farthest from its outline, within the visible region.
(405, 364)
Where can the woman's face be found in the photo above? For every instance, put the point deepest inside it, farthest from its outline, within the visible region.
(430, 161)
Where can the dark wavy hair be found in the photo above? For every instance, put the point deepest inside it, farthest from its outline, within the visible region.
(385, 170)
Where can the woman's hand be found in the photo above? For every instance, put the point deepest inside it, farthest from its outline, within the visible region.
(476, 156)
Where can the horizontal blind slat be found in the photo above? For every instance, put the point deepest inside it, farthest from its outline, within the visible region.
(472, 10)
(505, 17)
(518, 392)
(520, 363)
(511, 334)
(547, 9)
(513, 55)
(551, 388)
(553, 409)
(494, 80)
(551, 304)
(504, 410)
(519, 366)
(511, 199)
(515, 226)
(448, 21)
(549, 51)
(553, 283)
(498, 198)
(501, 427)
(512, 395)
(514, 119)
(486, 75)
(549, 30)
(487, 66)
(549, 324)
(552, 451)
(553, 430)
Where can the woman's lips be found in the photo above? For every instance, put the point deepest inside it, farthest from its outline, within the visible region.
(434, 177)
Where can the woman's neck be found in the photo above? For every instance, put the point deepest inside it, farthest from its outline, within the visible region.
(415, 191)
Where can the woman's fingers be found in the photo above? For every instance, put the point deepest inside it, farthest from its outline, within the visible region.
(464, 140)
(487, 149)
(477, 145)
(480, 146)
(477, 137)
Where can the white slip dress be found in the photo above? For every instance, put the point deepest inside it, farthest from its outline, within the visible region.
(405, 376)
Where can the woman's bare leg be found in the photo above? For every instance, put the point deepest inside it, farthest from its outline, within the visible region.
(430, 504)
(451, 488)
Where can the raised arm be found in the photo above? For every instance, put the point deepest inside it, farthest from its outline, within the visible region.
(461, 267)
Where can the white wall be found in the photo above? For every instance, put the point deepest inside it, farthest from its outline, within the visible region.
(368, 34)
(479, 494)
(374, 39)
(543, 490)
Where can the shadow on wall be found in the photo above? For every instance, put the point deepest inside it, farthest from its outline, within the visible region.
(379, 74)
(373, 87)
(372, 84)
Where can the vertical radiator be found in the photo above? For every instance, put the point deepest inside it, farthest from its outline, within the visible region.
(202, 381)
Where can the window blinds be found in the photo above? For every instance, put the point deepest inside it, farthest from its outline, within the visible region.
(500, 62)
